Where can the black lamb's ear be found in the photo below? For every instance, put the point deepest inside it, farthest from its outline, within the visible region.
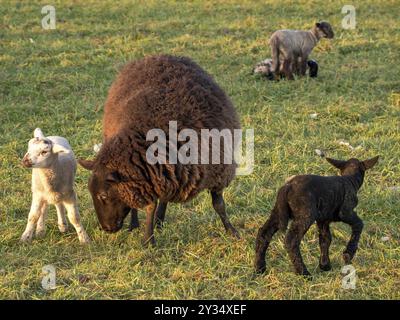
(318, 25)
(368, 164)
(87, 164)
(340, 164)
(114, 177)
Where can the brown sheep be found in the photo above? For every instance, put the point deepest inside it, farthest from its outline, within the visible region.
(148, 94)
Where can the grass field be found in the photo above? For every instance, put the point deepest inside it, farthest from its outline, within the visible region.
(58, 80)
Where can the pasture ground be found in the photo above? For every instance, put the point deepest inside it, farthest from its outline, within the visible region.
(58, 80)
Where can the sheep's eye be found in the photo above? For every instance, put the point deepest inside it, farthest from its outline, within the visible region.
(43, 153)
(102, 196)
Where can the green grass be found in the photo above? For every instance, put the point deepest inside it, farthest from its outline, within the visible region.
(59, 81)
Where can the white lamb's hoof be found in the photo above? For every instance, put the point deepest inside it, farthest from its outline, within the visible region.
(40, 233)
(26, 237)
(63, 228)
(84, 238)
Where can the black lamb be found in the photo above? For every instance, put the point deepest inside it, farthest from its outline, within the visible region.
(309, 198)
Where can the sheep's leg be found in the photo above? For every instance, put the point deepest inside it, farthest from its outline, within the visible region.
(325, 239)
(41, 223)
(219, 206)
(356, 228)
(302, 66)
(73, 217)
(264, 236)
(287, 69)
(160, 214)
(296, 232)
(61, 218)
(149, 229)
(33, 217)
(134, 223)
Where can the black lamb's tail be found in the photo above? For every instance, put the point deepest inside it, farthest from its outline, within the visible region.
(282, 208)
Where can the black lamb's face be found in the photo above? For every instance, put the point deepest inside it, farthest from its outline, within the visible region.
(110, 210)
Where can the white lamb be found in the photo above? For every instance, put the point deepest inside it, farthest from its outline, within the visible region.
(53, 172)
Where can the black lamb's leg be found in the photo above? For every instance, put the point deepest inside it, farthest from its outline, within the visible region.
(295, 234)
(325, 239)
(219, 206)
(160, 214)
(134, 223)
(356, 228)
(313, 68)
(264, 237)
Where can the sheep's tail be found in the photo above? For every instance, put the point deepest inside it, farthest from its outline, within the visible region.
(282, 208)
(274, 43)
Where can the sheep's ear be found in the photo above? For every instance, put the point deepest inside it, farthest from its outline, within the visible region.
(368, 164)
(87, 164)
(318, 25)
(57, 148)
(38, 134)
(340, 164)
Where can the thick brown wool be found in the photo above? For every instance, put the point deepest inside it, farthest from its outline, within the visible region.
(147, 94)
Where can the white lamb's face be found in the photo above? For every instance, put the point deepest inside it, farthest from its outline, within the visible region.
(39, 153)
(265, 67)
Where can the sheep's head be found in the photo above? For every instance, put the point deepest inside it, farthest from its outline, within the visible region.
(264, 68)
(353, 166)
(41, 151)
(324, 30)
(103, 183)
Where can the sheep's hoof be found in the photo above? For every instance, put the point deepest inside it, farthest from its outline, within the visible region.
(40, 233)
(307, 275)
(63, 228)
(133, 225)
(347, 257)
(84, 238)
(260, 268)
(159, 224)
(325, 267)
(149, 242)
(26, 237)
(234, 232)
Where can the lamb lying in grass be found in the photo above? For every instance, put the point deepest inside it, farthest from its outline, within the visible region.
(264, 68)
(53, 172)
(309, 198)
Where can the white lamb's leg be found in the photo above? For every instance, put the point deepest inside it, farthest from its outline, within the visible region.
(41, 224)
(62, 219)
(73, 216)
(34, 215)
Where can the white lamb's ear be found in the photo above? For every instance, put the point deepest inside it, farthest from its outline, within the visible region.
(38, 134)
(57, 148)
